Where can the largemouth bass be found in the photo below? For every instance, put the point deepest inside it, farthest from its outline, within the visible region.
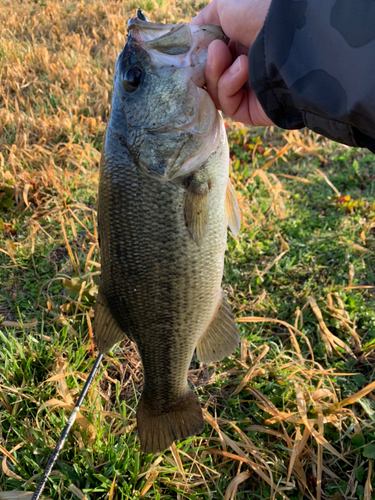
(165, 202)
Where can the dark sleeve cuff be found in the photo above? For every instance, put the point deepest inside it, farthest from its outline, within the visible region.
(277, 103)
(289, 75)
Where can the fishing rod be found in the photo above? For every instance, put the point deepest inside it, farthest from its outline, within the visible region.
(60, 443)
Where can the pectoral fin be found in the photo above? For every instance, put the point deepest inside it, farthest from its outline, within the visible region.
(107, 331)
(231, 205)
(221, 337)
(196, 210)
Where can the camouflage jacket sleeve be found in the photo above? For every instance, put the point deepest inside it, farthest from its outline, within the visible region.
(313, 65)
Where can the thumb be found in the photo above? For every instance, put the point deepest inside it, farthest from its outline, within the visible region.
(209, 15)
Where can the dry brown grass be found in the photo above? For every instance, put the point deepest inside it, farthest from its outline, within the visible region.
(56, 67)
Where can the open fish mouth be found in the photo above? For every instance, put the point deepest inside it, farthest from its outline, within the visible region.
(189, 42)
(170, 39)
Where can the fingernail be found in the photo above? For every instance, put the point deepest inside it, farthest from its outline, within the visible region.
(236, 66)
(209, 56)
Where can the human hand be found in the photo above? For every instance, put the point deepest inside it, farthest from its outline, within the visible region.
(227, 66)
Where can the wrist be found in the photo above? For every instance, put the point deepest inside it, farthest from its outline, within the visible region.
(262, 120)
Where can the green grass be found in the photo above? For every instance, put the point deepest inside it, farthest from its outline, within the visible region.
(307, 238)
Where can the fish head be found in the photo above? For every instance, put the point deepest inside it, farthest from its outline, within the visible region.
(171, 123)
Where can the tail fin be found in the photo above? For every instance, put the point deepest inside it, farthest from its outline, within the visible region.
(159, 429)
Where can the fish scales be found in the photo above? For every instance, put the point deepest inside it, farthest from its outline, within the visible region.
(169, 285)
(162, 243)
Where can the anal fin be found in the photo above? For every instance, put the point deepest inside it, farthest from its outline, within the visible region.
(233, 213)
(107, 331)
(221, 337)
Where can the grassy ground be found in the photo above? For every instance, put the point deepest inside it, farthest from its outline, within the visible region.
(292, 414)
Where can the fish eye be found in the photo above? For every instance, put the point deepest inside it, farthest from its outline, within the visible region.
(132, 79)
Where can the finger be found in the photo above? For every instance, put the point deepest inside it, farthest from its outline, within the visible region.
(232, 46)
(209, 15)
(241, 50)
(219, 59)
(232, 97)
(237, 49)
